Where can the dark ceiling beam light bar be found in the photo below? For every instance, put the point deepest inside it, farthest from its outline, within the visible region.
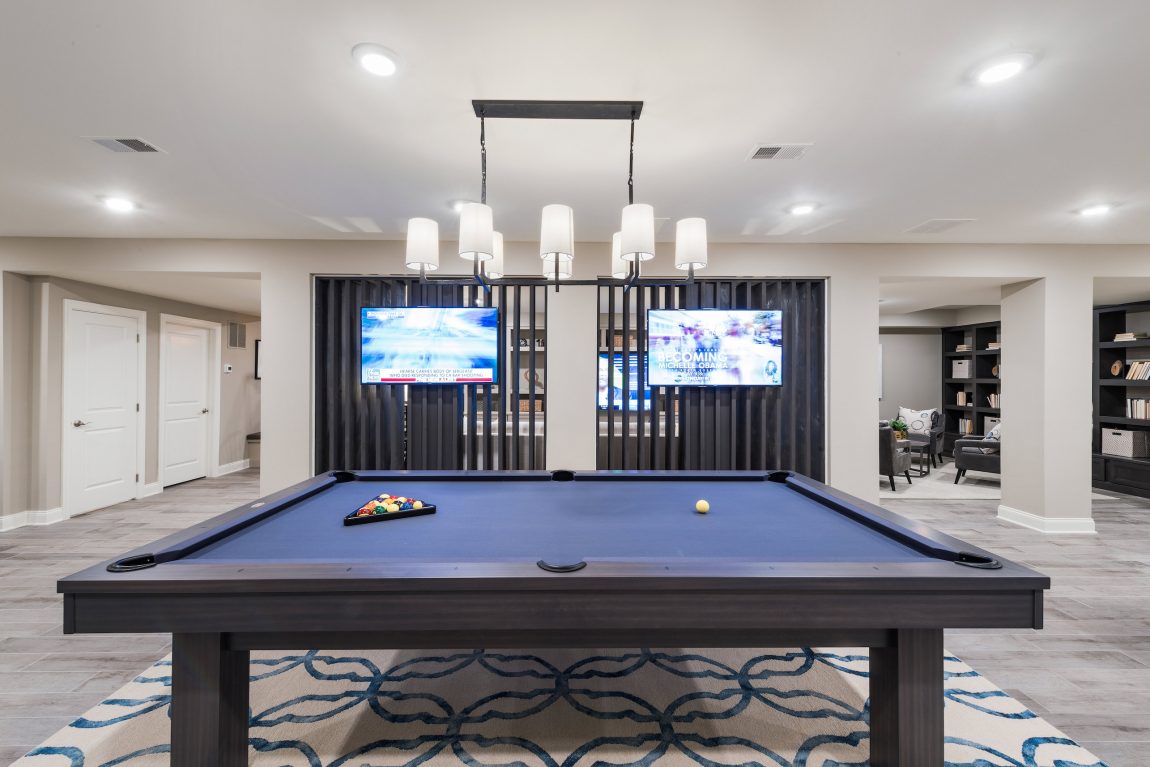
(483, 246)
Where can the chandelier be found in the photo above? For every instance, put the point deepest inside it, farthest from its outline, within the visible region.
(480, 244)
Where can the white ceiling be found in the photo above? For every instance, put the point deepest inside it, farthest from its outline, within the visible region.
(266, 121)
(232, 291)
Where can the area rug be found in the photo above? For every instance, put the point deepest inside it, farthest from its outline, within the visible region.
(485, 708)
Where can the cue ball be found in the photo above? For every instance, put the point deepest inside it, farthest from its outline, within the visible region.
(702, 507)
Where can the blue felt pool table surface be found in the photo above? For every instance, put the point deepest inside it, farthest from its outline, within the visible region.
(562, 522)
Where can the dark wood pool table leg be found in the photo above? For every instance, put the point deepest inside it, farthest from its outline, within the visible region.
(209, 702)
(906, 700)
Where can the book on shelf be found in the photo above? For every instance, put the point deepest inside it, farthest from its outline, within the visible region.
(963, 348)
(1138, 371)
(1137, 408)
(992, 400)
(1134, 335)
(960, 399)
(966, 426)
(993, 346)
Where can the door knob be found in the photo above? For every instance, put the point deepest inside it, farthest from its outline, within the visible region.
(78, 423)
(204, 410)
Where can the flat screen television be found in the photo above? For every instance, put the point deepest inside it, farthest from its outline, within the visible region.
(611, 387)
(429, 345)
(714, 347)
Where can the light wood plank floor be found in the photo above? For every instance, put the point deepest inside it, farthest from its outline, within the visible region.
(1087, 672)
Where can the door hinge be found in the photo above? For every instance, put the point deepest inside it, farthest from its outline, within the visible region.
(137, 407)
(137, 477)
(137, 338)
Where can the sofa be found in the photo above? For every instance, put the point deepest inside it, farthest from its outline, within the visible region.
(968, 455)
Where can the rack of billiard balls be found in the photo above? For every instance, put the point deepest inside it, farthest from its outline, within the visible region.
(384, 507)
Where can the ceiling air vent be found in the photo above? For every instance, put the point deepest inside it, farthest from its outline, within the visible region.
(779, 151)
(127, 145)
(936, 225)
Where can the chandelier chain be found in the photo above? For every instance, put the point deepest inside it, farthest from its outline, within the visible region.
(631, 168)
(483, 161)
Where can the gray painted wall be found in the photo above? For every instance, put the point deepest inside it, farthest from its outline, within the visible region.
(911, 369)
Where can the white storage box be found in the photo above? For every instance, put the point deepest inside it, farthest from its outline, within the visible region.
(989, 422)
(1128, 444)
(960, 369)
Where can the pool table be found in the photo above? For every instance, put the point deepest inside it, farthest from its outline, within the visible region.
(556, 559)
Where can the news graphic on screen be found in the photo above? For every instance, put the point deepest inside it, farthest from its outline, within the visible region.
(429, 345)
(611, 384)
(714, 347)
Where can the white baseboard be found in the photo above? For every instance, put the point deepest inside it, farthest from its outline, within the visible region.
(34, 517)
(1046, 524)
(231, 468)
(150, 489)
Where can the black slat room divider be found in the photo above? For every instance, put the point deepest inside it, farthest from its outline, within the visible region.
(780, 427)
(386, 426)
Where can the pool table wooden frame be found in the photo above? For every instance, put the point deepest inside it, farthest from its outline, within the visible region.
(219, 612)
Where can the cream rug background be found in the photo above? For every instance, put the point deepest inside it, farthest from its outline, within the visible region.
(786, 708)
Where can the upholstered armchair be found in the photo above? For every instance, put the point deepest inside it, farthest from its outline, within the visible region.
(968, 455)
(934, 435)
(891, 458)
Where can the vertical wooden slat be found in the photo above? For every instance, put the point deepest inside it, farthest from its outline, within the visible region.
(531, 354)
(611, 452)
(515, 463)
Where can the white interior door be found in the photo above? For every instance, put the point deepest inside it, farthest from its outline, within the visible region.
(101, 400)
(185, 400)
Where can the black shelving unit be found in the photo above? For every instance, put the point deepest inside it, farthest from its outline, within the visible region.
(1110, 472)
(983, 364)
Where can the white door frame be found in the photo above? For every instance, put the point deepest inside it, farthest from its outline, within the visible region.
(215, 362)
(141, 317)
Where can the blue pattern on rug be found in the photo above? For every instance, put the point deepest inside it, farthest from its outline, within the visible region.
(792, 708)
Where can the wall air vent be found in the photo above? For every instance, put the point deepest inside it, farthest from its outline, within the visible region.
(137, 145)
(237, 335)
(936, 225)
(778, 151)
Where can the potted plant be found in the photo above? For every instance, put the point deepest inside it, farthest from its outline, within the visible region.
(899, 427)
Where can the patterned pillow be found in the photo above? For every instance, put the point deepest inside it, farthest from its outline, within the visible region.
(995, 435)
(917, 421)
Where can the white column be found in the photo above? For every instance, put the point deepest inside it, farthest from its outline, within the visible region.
(286, 374)
(852, 384)
(1046, 404)
(572, 376)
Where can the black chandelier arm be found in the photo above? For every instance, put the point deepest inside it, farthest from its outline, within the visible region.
(483, 161)
(631, 168)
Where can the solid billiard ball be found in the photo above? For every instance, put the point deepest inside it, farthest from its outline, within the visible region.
(702, 507)
(417, 505)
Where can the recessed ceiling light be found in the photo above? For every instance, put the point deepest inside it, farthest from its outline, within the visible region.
(1099, 209)
(802, 208)
(119, 204)
(376, 59)
(1003, 69)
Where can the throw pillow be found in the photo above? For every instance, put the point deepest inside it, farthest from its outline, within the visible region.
(917, 421)
(995, 436)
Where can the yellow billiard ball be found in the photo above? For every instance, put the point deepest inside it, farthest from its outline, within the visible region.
(702, 507)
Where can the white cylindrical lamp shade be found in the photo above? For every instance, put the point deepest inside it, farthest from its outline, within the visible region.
(557, 233)
(476, 232)
(619, 268)
(638, 240)
(565, 268)
(691, 243)
(422, 244)
(494, 267)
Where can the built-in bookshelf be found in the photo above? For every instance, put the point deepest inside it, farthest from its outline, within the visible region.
(971, 365)
(1121, 393)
